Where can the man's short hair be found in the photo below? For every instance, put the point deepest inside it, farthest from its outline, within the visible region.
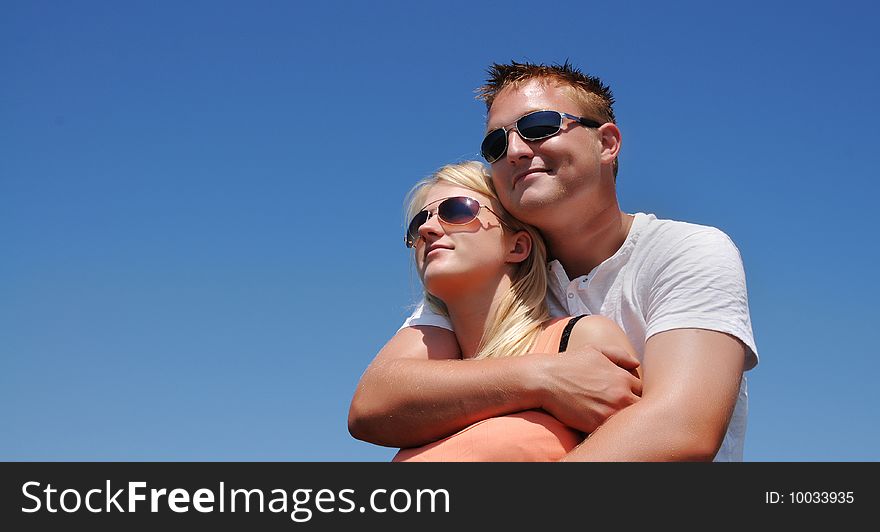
(594, 96)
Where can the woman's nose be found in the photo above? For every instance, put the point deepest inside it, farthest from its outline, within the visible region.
(431, 230)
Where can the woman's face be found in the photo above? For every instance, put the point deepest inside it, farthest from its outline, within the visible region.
(455, 258)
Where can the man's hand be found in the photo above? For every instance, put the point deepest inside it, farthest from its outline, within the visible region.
(584, 387)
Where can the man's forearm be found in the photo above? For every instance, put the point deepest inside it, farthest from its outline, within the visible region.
(691, 382)
(649, 432)
(411, 402)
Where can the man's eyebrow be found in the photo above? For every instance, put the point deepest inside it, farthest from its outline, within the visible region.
(530, 110)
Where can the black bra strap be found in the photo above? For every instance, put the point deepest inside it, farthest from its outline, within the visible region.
(563, 343)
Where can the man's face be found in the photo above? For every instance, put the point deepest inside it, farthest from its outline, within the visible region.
(539, 179)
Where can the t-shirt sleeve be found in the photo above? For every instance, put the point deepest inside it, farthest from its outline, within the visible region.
(699, 282)
(424, 315)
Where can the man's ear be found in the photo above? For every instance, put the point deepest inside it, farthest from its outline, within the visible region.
(520, 247)
(610, 142)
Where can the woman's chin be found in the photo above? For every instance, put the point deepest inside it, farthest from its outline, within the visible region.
(440, 283)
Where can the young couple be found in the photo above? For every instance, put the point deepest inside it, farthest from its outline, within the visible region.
(492, 367)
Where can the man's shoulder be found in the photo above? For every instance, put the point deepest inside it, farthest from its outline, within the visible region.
(652, 224)
(661, 241)
(655, 231)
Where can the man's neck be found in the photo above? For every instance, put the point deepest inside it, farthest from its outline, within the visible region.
(580, 247)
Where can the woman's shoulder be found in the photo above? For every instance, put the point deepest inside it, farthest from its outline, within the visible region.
(600, 332)
(555, 333)
(548, 339)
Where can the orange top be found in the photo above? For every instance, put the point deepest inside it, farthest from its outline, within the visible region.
(528, 436)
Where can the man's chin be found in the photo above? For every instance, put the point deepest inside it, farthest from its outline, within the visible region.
(528, 205)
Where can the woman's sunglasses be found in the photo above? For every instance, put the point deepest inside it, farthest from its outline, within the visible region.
(458, 210)
(536, 125)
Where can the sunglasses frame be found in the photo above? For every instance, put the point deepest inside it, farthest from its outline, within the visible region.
(410, 239)
(514, 126)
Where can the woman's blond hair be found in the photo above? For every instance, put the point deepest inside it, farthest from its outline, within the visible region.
(522, 310)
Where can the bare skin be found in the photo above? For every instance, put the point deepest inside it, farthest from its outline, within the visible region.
(491, 439)
(582, 388)
(686, 404)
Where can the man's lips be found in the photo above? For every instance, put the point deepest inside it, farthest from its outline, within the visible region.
(522, 175)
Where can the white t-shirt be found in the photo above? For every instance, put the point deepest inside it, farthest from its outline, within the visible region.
(666, 275)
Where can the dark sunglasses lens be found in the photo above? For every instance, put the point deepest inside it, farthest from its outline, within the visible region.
(494, 145)
(539, 125)
(458, 210)
(412, 232)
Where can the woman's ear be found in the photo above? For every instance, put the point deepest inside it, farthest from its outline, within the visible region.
(520, 247)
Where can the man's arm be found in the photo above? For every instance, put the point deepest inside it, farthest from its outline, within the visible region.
(690, 380)
(417, 389)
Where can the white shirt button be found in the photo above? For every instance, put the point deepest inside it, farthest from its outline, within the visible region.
(570, 295)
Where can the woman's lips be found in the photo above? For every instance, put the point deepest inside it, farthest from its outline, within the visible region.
(432, 250)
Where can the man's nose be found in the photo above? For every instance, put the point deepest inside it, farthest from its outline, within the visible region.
(517, 147)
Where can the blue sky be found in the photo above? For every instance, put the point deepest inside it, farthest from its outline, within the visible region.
(201, 204)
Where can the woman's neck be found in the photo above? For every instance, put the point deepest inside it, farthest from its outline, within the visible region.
(471, 310)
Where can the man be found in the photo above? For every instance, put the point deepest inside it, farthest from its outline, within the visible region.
(677, 290)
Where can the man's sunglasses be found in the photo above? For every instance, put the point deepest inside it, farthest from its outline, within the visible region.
(536, 125)
(458, 210)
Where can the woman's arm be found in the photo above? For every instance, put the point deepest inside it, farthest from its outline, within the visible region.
(603, 333)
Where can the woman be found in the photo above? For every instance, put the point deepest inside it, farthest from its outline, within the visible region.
(487, 271)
